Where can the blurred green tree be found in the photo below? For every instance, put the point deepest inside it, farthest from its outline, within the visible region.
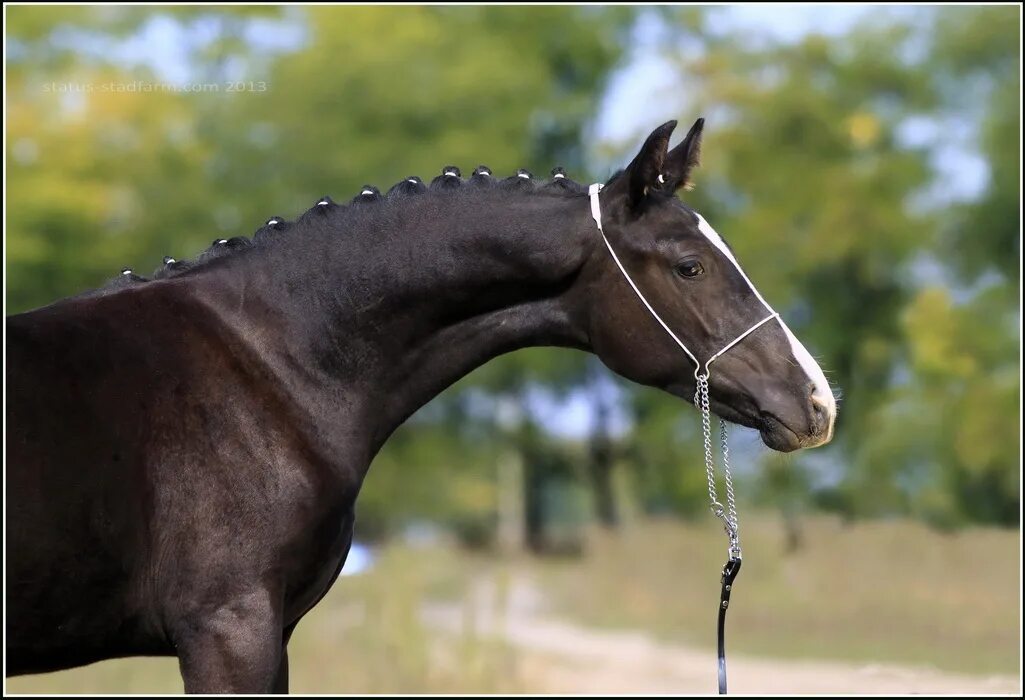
(907, 289)
(810, 174)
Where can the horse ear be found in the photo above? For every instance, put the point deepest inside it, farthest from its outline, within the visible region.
(643, 172)
(682, 160)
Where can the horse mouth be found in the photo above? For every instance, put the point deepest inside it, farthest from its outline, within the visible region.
(777, 436)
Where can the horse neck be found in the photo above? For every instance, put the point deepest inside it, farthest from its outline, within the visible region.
(396, 306)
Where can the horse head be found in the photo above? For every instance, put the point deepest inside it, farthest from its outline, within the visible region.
(672, 302)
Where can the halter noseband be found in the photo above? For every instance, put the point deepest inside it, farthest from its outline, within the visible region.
(727, 515)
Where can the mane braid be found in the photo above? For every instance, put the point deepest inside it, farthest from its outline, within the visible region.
(271, 229)
(367, 203)
(482, 177)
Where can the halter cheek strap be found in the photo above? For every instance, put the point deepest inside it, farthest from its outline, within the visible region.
(728, 514)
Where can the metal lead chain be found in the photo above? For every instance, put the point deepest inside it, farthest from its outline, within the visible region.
(733, 530)
(701, 401)
(728, 513)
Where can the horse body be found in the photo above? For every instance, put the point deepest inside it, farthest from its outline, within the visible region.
(184, 454)
(213, 434)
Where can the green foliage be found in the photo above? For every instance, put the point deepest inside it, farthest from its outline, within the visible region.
(429, 471)
(806, 173)
(949, 438)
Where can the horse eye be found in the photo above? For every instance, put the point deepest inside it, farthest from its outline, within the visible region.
(690, 268)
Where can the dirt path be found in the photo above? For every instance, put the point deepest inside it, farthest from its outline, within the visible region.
(561, 657)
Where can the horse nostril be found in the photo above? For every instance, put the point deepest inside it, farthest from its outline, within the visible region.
(821, 409)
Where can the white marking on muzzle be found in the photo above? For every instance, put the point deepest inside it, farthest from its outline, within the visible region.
(821, 394)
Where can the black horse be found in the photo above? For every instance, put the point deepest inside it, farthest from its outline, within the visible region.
(184, 453)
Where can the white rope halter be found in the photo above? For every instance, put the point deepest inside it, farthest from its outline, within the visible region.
(701, 372)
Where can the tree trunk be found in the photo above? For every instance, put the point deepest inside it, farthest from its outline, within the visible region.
(602, 458)
(601, 480)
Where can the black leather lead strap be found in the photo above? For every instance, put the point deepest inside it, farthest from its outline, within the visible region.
(729, 573)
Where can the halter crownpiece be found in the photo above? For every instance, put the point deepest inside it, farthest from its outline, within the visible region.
(727, 514)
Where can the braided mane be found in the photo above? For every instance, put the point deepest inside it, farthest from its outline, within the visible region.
(362, 204)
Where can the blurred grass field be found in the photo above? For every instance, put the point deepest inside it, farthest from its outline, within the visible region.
(893, 592)
(889, 592)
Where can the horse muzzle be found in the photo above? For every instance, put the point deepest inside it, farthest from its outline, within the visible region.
(800, 426)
